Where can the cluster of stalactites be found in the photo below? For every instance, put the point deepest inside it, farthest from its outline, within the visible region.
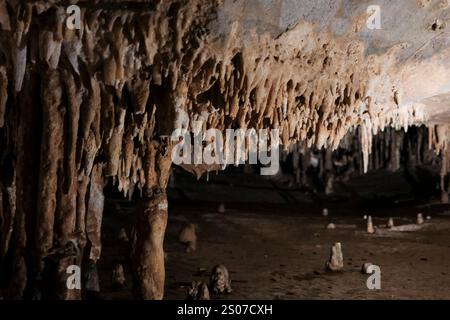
(391, 150)
(131, 71)
(111, 86)
(77, 106)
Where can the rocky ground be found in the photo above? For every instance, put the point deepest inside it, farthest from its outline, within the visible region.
(279, 251)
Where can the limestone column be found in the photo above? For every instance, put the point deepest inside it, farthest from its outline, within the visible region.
(148, 255)
(151, 222)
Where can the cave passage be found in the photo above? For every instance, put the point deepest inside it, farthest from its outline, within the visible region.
(341, 141)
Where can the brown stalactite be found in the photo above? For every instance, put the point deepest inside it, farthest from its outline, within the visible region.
(52, 141)
(67, 210)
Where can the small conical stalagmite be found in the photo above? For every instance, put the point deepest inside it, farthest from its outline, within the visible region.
(220, 281)
(330, 226)
(336, 262)
(420, 218)
(198, 291)
(390, 223)
(370, 228)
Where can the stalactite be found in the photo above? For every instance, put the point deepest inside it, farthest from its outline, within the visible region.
(391, 150)
(68, 186)
(366, 143)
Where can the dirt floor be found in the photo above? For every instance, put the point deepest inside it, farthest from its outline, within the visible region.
(280, 251)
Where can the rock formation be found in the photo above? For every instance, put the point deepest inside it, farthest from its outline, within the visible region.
(96, 102)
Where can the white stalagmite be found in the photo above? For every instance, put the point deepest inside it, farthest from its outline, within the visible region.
(420, 218)
(390, 223)
(336, 262)
(370, 228)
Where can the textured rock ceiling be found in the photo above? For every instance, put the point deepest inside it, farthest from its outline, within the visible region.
(311, 68)
(411, 48)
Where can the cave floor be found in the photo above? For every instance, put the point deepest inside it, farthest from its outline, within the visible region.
(280, 253)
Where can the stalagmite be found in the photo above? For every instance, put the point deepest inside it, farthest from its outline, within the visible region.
(198, 291)
(336, 262)
(220, 281)
(390, 223)
(148, 252)
(330, 226)
(420, 218)
(370, 228)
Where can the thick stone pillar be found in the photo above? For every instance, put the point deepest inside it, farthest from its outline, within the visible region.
(148, 255)
(151, 222)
